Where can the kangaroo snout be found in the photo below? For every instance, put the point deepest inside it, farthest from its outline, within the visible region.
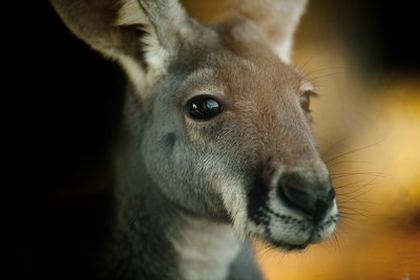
(312, 197)
(295, 206)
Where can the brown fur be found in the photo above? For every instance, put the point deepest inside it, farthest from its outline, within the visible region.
(253, 170)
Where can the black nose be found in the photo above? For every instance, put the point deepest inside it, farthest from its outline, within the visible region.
(310, 196)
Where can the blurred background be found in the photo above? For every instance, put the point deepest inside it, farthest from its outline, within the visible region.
(63, 106)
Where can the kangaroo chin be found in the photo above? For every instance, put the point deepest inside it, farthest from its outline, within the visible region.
(216, 144)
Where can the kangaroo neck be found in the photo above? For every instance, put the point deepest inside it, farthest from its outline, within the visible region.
(205, 249)
(156, 239)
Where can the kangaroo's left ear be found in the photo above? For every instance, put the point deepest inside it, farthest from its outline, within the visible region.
(278, 19)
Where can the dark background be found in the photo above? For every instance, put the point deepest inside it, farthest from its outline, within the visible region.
(62, 108)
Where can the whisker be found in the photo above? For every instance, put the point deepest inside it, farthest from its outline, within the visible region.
(357, 173)
(352, 151)
(356, 183)
(317, 78)
(334, 145)
(367, 174)
(346, 162)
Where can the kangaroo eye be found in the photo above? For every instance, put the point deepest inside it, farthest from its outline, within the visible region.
(305, 100)
(203, 107)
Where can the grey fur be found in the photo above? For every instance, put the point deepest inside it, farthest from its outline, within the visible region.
(180, 180)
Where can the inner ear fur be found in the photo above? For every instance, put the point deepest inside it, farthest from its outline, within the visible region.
(142, 35)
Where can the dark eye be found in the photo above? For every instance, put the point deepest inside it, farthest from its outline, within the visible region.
(305, 100)
(203, 107)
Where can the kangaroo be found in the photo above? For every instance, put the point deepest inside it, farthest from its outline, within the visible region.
(216, 146)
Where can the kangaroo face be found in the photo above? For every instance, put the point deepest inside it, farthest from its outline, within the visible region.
(230, 139)
(224, 123)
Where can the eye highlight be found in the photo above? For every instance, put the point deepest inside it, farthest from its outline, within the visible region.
(305, 100)
(203, 107)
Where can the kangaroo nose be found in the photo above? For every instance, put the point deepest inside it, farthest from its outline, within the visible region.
(314, 199)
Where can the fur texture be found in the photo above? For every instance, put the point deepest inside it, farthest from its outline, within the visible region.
(190, 193)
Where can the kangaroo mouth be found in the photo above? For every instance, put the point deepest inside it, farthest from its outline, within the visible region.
(283, 228)
(281, 234)
(287, 246)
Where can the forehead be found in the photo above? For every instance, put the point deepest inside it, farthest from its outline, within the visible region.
(242, 71)
(254, 71)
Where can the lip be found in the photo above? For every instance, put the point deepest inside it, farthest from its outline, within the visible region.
(288, 246)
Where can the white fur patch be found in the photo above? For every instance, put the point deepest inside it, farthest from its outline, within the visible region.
(284, 50)
(306, 86)
(289, 12)
(134, 71)
(206, 250)
(235, 201)
(130, 13)
(156, 56)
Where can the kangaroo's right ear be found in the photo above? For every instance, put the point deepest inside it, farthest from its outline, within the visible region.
(141, 35)
(278, 19)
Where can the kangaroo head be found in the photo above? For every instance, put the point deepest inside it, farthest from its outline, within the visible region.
(220, 117)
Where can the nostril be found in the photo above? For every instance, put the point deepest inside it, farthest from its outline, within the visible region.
(314, 199)
(292, 191)
(298, 199)
(330, 196)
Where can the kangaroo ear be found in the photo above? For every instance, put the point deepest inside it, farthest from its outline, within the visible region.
(141, 35)
(278, 19)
